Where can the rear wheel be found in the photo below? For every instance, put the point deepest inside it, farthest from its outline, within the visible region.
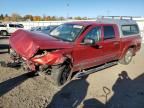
(127, 58)
(60, 74)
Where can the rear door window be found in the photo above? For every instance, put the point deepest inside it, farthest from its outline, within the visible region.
(11, 25)
(109, 32)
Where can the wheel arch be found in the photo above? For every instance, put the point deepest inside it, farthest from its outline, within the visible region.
(125, 50)
(69, 60)
(3, 31)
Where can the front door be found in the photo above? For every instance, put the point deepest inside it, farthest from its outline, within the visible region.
(85, 55)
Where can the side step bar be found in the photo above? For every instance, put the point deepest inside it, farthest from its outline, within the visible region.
(93, 70)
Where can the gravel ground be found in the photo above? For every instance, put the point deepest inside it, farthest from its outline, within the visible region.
(120, 86)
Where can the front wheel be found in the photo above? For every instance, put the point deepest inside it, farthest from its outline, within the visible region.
(60, 74)
(127, 58)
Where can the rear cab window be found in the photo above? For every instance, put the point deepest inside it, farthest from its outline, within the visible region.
(129, 30)
(109, 32)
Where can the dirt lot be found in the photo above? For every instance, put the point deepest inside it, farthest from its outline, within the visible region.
(116, 87)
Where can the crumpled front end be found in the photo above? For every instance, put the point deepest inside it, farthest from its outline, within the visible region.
(36, 52)
(21, 42)
(27, 43)
(42, 61)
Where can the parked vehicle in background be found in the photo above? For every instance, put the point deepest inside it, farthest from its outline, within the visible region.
(142, 33)
(49, 28)
(37, 28)
(83, 47)
(7, 29)
(3, 29)
(43, 29)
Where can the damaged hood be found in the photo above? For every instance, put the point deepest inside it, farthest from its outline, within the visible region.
(27, 43)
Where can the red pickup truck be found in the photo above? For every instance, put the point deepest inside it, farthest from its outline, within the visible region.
(84, 47)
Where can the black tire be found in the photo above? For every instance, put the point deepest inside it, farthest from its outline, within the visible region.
(4, 33)
(127, 58)
(60, 74)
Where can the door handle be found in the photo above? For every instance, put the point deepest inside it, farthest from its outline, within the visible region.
(100, 46)
(116, 43)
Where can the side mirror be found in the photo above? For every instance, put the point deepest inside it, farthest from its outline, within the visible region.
(89, 41)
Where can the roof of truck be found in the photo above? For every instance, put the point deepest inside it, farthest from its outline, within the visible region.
(83, 23)
(118, 22)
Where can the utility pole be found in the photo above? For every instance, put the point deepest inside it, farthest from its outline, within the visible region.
(67, 10)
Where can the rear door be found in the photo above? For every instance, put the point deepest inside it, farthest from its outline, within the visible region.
(111, 42)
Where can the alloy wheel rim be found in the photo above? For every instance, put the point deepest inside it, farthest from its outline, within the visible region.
(128, 56)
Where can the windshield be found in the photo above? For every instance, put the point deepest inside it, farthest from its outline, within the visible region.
(67, 32)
